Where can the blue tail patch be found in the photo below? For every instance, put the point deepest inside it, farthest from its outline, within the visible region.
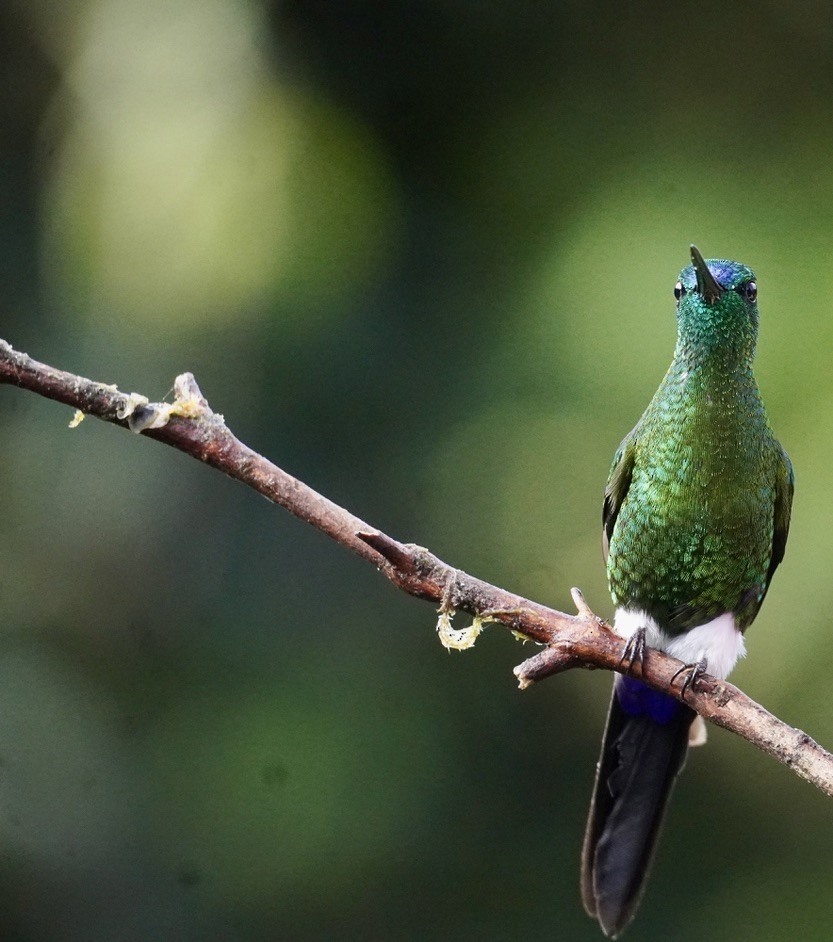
(636, 699)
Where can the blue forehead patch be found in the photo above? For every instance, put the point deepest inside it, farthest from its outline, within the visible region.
(728, 274)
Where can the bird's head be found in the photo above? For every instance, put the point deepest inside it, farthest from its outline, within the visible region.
(717, 307)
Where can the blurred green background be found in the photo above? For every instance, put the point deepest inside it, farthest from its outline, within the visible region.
(422, 255)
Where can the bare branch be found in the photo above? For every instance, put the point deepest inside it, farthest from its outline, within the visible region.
(581, 640)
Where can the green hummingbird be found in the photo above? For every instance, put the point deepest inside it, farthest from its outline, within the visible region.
(695, 521)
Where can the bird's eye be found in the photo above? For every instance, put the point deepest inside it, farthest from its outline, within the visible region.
(679, 290)
(749, 291)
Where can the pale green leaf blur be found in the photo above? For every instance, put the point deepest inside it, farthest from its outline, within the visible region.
(422, 256)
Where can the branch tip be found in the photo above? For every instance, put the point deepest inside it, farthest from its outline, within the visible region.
(581, 605)
(393, 551)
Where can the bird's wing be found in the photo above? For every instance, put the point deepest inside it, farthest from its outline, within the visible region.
(618, 482)
(784, 486)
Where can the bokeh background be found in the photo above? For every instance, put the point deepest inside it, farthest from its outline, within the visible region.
(422, 255)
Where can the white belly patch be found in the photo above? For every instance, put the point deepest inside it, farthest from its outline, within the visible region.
(718, 641)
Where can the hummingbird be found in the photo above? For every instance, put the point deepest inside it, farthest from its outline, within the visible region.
(695, 521)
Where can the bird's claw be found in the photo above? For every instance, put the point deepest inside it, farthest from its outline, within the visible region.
(634, 652)
(694, 671)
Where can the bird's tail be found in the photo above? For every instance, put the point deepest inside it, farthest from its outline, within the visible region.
(643, 750)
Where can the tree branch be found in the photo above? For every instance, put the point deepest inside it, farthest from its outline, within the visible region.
(581, 640)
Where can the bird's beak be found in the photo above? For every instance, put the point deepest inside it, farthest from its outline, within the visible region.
(707, 286)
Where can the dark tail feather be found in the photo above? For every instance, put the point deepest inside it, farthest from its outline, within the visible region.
(643, 750)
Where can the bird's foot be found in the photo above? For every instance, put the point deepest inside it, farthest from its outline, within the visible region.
(694, 672)
(634, 652)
